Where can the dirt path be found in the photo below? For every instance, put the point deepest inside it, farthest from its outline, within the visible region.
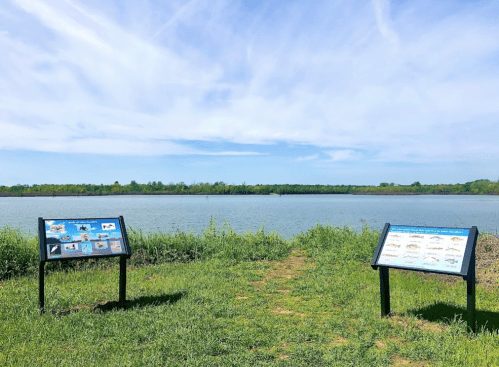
(289, 268)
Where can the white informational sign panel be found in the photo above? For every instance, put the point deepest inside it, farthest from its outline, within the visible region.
(429, 249)
(425, 248)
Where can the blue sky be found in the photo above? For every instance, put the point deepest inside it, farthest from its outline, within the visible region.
(326, 92)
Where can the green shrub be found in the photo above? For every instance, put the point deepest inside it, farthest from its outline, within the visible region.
(215, 242)
(339, 244)
(18, 253)
(225, 243)
(157, 247)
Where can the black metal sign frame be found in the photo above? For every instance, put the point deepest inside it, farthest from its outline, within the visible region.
(467, 270)
(122, 249)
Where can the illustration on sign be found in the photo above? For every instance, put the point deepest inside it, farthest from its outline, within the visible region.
(432, 249)
(83, 237)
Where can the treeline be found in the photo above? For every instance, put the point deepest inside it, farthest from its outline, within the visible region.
(478, 187)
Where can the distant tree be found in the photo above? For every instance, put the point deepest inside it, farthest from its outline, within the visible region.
(134, 186)
(383, 184)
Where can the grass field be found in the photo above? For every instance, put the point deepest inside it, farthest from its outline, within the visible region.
(310, 301)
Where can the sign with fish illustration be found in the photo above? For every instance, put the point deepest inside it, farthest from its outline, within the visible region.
(429, 249)
(76, 238)
(424, 248)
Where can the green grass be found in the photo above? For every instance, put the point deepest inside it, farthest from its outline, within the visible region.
(19, 252)
(222, 307)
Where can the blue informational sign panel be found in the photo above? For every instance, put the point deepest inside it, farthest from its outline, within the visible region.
(79, 238)
(425, 248)
(65, 239)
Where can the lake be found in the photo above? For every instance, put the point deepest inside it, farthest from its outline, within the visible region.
(287, 214)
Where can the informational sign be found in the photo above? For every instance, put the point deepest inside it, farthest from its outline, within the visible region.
(425, 248)
(429, 249)
(76, 238)
(65, 239)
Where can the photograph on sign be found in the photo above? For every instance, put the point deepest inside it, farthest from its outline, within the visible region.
(72, 238)
(432, 249)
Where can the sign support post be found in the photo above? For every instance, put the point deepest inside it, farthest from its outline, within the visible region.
(122, 289)
(41, 285)
(470, 291)
(384, 284)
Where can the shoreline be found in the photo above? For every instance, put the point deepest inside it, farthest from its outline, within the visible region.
(230, 194)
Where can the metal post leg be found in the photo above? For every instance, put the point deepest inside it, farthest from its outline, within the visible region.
(41, 286)
(470, 290)
(384, 283)
(122, 299)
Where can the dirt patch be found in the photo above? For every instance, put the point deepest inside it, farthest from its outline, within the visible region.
(444, 278)
(487, 261)
(382, 343)
(288, 268)
(420, 324)
(282, 311)
(339, 340)
(258, 285)
(242, 297)
(283, 356)
(487, 251)
(401, 361)
(153, 276)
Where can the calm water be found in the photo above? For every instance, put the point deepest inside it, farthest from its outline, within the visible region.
(288, 214)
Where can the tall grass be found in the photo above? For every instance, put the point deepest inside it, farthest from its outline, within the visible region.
(215, 243)
(334, 244)
(19, 254)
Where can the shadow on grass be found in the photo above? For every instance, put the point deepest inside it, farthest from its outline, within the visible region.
(134, 303)
(142, 302)
(445, 313)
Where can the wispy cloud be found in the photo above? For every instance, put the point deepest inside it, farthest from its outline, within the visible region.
(344, 155)
(393, 80)
(383, 20)
(178, 17)
(307, 158)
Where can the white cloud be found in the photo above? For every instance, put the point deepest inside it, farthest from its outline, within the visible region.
(307, 158)
(344, 155)
(83, 79)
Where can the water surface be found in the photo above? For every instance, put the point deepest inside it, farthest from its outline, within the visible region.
(287, 214)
